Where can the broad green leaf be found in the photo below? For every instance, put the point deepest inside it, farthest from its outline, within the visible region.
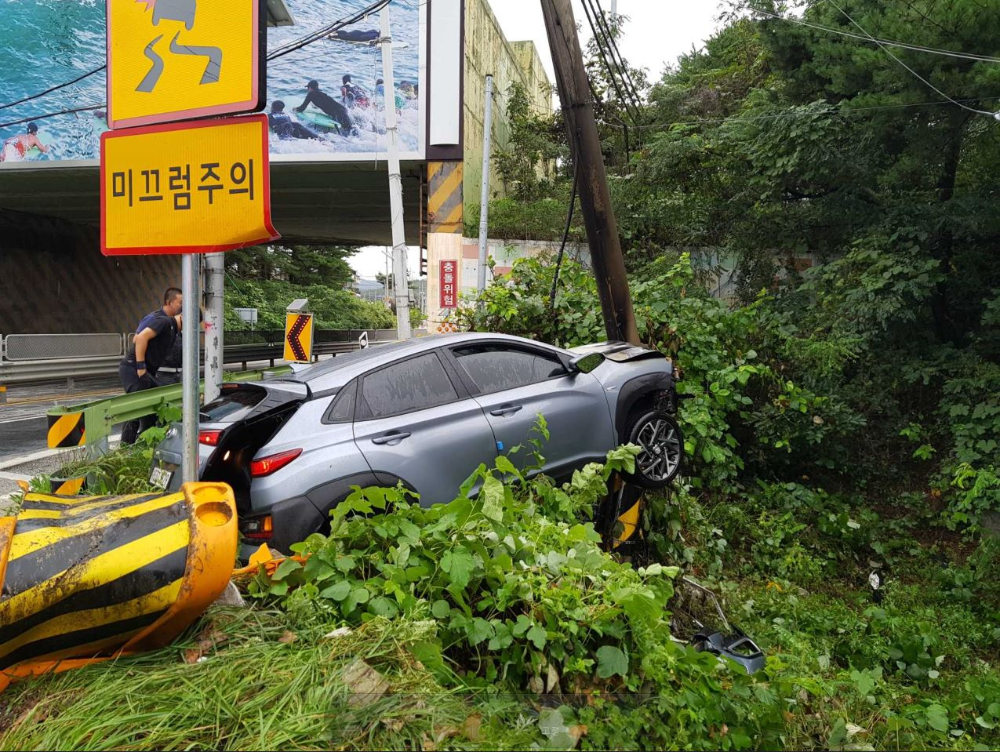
(337, 592)
(537, 636)
(611, 661)
(937, 718)
(285, 568)
(493, 498)
(479, 630)
(459, 565)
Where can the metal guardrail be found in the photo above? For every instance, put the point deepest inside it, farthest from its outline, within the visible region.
(33, 358)
(90, 424)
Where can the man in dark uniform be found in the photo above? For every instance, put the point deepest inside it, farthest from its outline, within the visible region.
(170, 371)
(154, 339)
(332, 108)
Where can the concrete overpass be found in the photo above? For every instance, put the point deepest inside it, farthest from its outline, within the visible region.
(53, 278)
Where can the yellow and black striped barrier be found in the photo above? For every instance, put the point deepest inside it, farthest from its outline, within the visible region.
(445, 199)
(93, 578)
(69, 430)
(629, 501)
(68, 486)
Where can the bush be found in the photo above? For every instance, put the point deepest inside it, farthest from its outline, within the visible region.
(524, 597)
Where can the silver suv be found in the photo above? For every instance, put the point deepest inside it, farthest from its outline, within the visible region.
(425, 413)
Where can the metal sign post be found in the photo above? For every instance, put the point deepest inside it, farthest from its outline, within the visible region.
(400, 277)
(191, 188)
(190, 287)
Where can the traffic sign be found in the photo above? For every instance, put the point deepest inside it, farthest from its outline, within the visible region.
(186, 188)
(298, 337)
(174, 60)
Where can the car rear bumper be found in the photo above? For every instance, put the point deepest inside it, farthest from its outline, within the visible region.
(292, 520)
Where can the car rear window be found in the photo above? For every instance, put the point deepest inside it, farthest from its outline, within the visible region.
(233, 406)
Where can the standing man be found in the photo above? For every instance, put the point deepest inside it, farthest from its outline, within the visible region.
(154, 339)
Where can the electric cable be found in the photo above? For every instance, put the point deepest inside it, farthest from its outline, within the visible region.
(888, 42)
(569, 224)
(994, 115)
(41, 94)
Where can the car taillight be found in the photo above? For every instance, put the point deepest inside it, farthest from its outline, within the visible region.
(209, 438)
(259, 528)
(269, 465)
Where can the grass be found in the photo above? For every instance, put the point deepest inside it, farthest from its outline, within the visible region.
(257, 686)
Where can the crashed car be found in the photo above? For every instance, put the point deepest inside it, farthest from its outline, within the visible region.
(425, 413)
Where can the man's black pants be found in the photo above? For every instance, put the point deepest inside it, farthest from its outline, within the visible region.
(132, 382)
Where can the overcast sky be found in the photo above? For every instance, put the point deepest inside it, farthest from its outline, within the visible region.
(657, 33)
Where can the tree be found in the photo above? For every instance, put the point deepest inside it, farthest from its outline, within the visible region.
(780, 138)
(298, 264)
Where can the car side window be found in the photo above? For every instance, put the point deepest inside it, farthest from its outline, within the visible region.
(496, 368)
(416, 384)
(342, 410)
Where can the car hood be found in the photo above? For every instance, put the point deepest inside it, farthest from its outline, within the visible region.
(619, 352)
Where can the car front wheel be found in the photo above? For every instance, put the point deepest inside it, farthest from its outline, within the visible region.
(659, 437)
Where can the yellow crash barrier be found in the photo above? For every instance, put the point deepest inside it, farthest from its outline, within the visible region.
(93, 578)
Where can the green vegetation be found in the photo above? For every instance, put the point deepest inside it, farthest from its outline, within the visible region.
(270, 278)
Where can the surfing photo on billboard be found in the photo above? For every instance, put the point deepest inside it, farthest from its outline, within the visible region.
(325, 101)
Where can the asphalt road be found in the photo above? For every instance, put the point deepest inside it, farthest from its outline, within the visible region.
(23, 424)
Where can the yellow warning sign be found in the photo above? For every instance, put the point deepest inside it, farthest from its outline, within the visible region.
(298, 337)
(186, 188)
(180, 59)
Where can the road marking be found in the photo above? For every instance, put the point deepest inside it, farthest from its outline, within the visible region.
(47, 453)
(6, 464)
(14, 476)
(21, 420)
(62, 398)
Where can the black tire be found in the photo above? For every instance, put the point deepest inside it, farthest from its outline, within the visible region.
(662, 442)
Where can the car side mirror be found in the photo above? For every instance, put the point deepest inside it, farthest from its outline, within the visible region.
(586, 363)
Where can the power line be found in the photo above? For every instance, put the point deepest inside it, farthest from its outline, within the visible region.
(50, 115)
(610, 38)
(604, 53)
(54, 88)
(786, 115)
(610, 70)
(887, 42)
(917, 75)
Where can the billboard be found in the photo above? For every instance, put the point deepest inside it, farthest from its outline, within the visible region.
(325, 97)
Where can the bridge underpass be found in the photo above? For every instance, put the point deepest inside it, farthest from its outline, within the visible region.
(53, 277)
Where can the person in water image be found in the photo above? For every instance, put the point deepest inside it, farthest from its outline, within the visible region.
(283, 125)
(16, 148)
(329, 106)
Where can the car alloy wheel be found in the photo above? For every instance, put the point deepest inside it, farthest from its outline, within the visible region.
(659, 437)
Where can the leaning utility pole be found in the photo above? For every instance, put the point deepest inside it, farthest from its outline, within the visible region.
(595, 198)
(399, 271)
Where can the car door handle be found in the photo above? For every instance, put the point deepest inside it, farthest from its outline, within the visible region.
(506, 410)
(392, 438)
